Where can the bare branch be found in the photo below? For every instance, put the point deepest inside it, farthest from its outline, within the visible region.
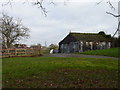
(110, 4)
(99, 2)
(8, 3)
(117, 29)
(51, 2)
(40, 5)
(113, 14)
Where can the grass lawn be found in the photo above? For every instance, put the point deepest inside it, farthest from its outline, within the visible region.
(113, 52)
(56, 72)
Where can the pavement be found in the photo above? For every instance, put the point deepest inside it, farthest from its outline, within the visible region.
(77, 55)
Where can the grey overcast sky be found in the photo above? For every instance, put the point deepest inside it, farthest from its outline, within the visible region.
(75, 16)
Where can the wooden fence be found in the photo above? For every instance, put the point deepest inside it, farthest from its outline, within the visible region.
(21, 52)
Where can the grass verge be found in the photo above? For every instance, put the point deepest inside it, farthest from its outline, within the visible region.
(56, 72)
(113, 52)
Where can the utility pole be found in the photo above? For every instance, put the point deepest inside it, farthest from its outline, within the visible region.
(45, 43)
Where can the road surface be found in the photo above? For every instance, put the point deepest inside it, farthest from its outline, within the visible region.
(77, 55)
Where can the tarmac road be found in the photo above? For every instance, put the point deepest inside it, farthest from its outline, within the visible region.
(77, 55)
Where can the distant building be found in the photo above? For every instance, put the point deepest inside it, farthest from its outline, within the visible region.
(80, 42)
(20, 46)
(36, 46)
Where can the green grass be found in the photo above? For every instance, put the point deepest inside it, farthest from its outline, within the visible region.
(54, 72)
(113, 52)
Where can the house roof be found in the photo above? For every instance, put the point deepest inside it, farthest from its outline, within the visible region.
(87, 37)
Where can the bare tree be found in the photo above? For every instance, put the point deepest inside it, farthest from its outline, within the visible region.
(12, 30)
(114, 15)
